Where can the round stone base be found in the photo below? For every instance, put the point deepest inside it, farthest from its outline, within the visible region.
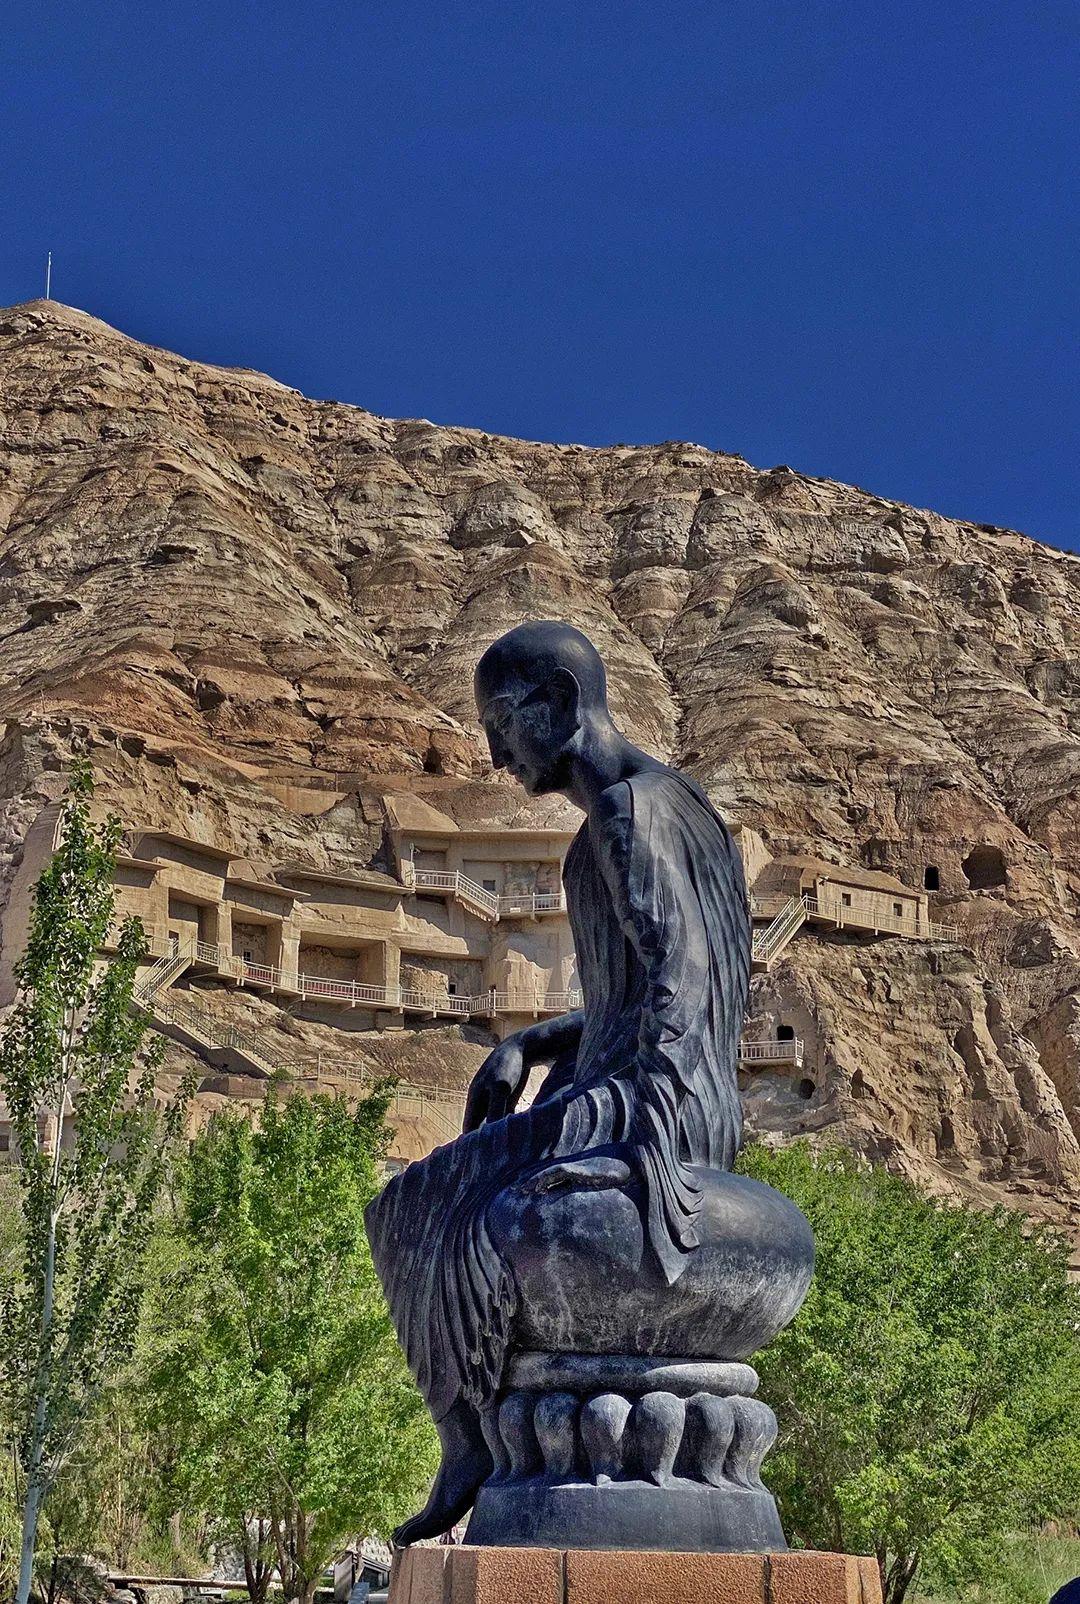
(627, 1514)
(622, 1451)
(467, 1575)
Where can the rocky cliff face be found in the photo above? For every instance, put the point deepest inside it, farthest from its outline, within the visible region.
(259, 612)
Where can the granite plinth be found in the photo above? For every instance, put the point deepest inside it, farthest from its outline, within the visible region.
(467, 1575)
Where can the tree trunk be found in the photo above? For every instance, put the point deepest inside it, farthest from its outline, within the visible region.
(901, 1574)
(264, 1569)
(50, 1594)
(249, 1573)
(286, 1553)
(31, 1511)
(35, 1482)
(257, 1568)
(35, 1485)
(260, 1585)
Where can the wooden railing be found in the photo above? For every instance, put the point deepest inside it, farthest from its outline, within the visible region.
(840, 909)
(452, 880)
(358, 994)
(773, 1051)
(510, 905)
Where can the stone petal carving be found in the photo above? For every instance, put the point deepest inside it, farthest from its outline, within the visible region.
(603, 1425)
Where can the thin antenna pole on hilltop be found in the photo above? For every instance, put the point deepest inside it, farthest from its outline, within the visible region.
(48, 277)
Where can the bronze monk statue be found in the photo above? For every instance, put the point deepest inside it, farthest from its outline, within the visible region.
(576, 1285)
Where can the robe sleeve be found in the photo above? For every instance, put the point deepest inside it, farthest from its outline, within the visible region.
(646, 867)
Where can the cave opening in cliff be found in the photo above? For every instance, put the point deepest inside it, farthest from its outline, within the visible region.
(984, 868)
(931, 878)
(807, 1089)
(785, 1033)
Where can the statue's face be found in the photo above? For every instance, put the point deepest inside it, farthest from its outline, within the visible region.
(527, 734)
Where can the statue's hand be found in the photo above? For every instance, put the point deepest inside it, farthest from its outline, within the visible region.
(497, 1085)
(592, 1174)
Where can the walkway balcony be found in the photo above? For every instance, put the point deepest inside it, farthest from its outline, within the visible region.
(205, 954)
(404, 999)
(512, 905)
(773, 1051)
(863, 913)
(841, 909)
(531, 905)
(452, 883)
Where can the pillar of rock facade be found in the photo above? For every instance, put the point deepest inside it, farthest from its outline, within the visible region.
(259, 614)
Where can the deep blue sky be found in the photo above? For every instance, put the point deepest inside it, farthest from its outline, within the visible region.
(838, 236)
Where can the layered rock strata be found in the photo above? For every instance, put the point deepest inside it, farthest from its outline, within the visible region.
(259, 614)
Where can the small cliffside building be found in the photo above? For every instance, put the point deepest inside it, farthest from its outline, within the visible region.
(468, 924)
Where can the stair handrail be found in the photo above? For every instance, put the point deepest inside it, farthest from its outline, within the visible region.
(174, 962)
(214, 1033)
(767, 942)
(428, 1108)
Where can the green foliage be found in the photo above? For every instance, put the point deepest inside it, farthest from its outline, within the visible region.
(929, 1391)
(1034, 1568)
(89, 1150)
(10, 1521)
(11, 1252)
(112, 1497)
(107, 1500)
(278, 1376)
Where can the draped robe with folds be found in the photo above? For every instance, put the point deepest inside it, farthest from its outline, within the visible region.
(657, 904)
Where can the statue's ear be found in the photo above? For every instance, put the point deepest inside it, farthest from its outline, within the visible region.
(562, 693)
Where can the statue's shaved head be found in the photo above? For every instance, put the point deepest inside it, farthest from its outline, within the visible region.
(525, 658)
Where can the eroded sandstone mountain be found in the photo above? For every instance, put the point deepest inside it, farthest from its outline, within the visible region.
(260, 613)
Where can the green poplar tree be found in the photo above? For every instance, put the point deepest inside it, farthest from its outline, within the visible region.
(90, 1152)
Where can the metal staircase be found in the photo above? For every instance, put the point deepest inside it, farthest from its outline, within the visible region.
(512, 905)
(412, 1102)
(199, 1028)
(194, 1025)
(164, 972)
(770, 942)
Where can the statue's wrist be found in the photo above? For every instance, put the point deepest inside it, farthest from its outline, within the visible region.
(542, 1043)
(532, 1047)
